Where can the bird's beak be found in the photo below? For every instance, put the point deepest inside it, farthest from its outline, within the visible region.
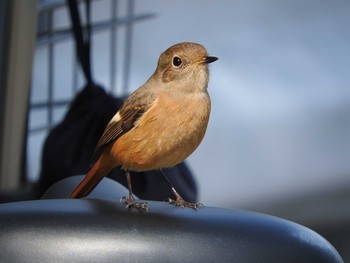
(209, 59)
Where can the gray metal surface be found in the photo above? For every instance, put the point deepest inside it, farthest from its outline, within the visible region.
(103, 230)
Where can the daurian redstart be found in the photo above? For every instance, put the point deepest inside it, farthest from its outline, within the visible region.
(160, 124)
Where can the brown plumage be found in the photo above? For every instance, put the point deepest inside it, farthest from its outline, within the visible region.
(160, 124)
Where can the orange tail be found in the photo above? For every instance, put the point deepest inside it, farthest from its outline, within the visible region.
(93, 177)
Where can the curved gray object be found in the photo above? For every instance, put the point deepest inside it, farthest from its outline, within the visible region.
(101, 229)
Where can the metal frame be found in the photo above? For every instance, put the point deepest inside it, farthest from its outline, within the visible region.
(48, 36)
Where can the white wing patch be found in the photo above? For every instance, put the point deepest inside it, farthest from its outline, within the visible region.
(116, 117)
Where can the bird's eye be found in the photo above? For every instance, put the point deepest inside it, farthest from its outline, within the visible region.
(177, 62)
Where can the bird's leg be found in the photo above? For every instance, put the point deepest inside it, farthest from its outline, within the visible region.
(130, 201)
(179, 201)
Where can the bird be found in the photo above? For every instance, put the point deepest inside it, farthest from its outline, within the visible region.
(159, 125)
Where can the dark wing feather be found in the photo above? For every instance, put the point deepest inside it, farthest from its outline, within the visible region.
(116, 129)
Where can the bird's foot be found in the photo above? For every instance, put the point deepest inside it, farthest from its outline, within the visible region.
(179, 201)
(131, 202)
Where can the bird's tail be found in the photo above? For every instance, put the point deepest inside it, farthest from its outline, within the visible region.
(93, 177)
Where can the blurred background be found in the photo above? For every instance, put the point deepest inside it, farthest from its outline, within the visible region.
(278, 140)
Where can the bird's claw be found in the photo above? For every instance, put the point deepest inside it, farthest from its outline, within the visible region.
(182, 203)
(131, 202)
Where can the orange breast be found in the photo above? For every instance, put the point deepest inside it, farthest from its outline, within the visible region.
(165, 135)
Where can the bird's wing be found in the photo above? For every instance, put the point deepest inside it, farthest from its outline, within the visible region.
(116, 128)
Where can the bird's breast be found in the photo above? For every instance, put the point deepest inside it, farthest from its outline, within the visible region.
(166, 134)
